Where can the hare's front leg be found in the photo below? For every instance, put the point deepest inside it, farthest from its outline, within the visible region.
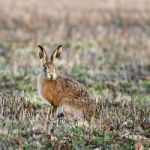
(52, 111)
(50, 115)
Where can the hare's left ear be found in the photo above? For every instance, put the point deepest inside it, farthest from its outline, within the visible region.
(56, 54)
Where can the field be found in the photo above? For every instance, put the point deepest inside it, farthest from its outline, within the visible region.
(105, 47)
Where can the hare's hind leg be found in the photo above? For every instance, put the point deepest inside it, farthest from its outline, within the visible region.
(71, 113)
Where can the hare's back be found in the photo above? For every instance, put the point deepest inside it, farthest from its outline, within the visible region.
(71, 84)
(74, 88)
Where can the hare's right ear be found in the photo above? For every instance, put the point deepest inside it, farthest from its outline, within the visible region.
(43, 55)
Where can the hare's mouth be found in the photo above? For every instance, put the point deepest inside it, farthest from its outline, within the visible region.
(51, 77)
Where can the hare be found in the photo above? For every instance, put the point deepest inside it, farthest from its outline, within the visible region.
(61, 90)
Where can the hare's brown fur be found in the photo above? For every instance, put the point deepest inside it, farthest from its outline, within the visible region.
(68, 93)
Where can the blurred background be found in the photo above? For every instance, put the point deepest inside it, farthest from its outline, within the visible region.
(106, 46)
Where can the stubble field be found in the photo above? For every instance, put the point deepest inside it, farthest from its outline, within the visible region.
(107, 50)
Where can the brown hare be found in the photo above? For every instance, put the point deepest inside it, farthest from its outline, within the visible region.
(60, 90)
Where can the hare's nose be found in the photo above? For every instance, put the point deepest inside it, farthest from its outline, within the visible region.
(51, 76)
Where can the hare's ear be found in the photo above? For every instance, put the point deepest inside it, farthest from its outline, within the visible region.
(43, 55)
(56, 54)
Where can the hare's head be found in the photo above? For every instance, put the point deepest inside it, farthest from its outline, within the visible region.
(49, 65)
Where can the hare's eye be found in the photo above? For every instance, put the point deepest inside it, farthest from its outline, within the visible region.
(45, 67)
